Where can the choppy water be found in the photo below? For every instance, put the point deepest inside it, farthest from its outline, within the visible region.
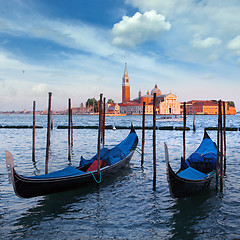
(121, 208)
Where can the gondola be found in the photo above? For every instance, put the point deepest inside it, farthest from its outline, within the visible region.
(196, 173)
(111, 160)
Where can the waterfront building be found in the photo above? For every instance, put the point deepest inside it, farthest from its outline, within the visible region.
(206, 107)
(113, 108)
(170, 105)
(82, 110)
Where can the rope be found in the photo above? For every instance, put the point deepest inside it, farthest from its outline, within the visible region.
(139, 149)
(96, 179)
(211, 173)
(138, 152)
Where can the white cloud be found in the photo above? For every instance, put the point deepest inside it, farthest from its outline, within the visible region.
(75, 35)
(140, 28)
(190, 18)
(39, 88)
(205, 43)
(166, 7)
(234, 44)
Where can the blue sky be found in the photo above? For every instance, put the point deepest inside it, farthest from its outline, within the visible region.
(78, 49)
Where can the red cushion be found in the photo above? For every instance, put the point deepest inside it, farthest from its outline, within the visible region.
(93, 166)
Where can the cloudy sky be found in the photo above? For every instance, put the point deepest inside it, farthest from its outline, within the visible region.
(78, 49)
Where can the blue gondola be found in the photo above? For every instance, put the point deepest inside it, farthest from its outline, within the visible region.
(111, 160)
(196, 173)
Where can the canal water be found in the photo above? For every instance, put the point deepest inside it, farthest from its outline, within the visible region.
(125, 207)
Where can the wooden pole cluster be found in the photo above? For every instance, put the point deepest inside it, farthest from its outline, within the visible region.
(154, 143)
(99, 135)
(143, 133)
(33, 133)
(48, 131)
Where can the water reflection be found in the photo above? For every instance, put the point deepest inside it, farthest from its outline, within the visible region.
(86, 203)
(52, 206)
(189, 212)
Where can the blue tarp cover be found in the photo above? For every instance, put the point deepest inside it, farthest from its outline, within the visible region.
(84, 162)
(207, 152)
(66, 172)
(115, 154)
(192, 174)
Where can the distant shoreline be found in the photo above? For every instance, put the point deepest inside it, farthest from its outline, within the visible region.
(107, 114)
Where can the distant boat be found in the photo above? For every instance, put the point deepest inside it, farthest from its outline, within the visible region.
(196, 173)
(111, 160)
(170, 118)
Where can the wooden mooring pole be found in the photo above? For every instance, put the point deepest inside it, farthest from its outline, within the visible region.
(224, 138)
(103, 122)
(194, 119)
(154, 144)
(99, 136)
(48, 131)
(184, 131)
(218, 143)
(51, 120)
(33, 132)
(143, 133)
(69, 129)
(221, 150)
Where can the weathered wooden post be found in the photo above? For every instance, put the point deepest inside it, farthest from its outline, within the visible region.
(103, 124)
(221, 150)
(194, 119)
(33, 132)
(51, 120)
(143, 133)
(224, 138)
(154, 143)
(184, 131)
(99, 136)
(48, 131)
(69, 129)
(218, 143)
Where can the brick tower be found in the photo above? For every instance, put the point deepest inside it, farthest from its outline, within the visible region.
(125, 86)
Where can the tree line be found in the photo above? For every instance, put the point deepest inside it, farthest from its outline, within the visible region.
(92, 102)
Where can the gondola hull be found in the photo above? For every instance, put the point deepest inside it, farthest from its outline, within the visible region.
(70, 177)
(181, 187)
(26, 188)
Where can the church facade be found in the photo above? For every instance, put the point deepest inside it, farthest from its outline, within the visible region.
(165, 103)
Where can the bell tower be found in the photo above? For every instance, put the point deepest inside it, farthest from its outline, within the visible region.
(125, 86)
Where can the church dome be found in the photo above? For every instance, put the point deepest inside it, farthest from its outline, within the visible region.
(156, 90)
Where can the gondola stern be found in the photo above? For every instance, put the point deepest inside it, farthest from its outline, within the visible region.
(206, 134)
(169, 170)
(9, 165)
(9, 159)
(132, 128)
(11, 170)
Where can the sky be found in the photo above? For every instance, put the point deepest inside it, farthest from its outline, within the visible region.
(78, 49)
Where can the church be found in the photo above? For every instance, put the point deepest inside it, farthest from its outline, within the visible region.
(165, 103)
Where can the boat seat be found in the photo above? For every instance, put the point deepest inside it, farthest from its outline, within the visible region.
(66, 172)
(192, 174)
